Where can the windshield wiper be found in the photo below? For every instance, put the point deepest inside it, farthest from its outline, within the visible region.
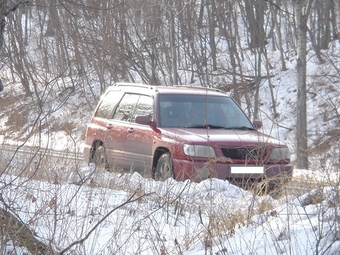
(208, 126)
(241, 128)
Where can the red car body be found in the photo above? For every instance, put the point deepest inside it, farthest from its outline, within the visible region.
(139, 130)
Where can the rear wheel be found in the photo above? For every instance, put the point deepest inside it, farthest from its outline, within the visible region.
(99, 157)
(164, 168)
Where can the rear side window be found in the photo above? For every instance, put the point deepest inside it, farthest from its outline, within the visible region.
(144, 107)
(126, 107)
(108, 104)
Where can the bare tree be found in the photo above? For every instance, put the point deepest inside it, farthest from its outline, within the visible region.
(302, 9)
(173, 46)
(278, 34)
(255, 21)
(7, 7)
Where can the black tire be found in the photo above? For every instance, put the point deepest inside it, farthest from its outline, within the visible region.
(164, 168)
(99, 157)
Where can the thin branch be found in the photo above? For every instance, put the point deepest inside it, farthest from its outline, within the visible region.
(130, 200)
(13, 5)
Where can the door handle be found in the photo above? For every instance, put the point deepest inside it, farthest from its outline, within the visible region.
(109, 126)
(131, 130)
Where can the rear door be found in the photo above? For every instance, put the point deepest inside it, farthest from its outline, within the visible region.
(117, 132)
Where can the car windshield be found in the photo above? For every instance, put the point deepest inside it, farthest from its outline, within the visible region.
(201, 111)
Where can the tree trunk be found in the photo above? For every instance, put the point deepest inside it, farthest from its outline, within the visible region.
(212, 26)
(2, 21)
(21, 235)
(301, 122)
(258, 63)
(278, 33)
(5, 9)
(2, 28)
(173, 47)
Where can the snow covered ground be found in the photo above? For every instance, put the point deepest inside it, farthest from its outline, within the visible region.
(142, 216)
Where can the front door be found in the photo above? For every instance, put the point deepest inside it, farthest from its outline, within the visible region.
(117, 131)
(140, 137)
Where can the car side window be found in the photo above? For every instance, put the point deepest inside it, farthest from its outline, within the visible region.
(144, 107)
(108, 104)
(126, 107)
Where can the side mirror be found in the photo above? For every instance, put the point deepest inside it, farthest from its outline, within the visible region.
(143, 120)
(257, 124)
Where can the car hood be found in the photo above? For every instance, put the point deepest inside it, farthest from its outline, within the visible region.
(220, 136)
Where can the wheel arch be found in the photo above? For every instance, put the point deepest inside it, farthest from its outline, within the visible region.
(95, 145)
(157, 154)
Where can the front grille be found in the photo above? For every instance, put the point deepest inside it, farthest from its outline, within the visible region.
(244, 153)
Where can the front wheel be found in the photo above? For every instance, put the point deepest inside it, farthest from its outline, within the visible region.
(164, 168)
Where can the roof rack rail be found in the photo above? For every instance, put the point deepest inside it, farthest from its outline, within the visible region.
(201, 88)
(128, 84)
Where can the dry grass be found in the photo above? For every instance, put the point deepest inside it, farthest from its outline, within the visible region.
(11, 228)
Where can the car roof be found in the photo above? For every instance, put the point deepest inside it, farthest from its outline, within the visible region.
(176, 89)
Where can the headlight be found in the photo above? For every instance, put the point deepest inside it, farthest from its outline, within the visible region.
(280, 154)
(199, 151)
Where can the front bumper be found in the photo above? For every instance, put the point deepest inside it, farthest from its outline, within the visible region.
(185, 169)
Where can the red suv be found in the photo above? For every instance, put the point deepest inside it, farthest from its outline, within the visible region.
(181, 132)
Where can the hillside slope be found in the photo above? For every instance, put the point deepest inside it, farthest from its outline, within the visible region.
(58, 120)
